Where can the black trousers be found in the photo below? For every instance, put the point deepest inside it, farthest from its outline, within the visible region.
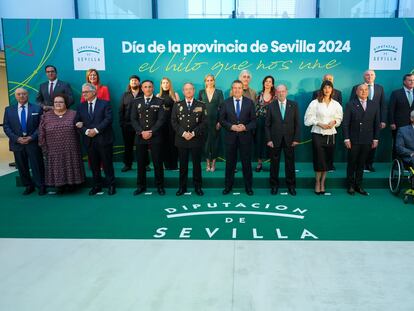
(394, 136)
(101, 154)
(231, 161)
(183, 156)
(30, 157)
(290, 173)
(129, 135)
(169, 150)
(357, 156)
(142, 160)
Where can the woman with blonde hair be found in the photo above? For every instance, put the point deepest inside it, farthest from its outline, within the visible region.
(213, 98)
(170, 97)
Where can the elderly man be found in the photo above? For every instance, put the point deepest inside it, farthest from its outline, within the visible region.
(282, 130)
(405, 142)
(361, 126)
(337, 94)
(21, 123)
(375, 94)
(95, 124)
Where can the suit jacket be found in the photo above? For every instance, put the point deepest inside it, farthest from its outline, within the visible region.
(360, 126)
(101, 120)
(13, 129)
(379, 98)
(400, 108)
(194, 120)
(337, 95)
(145, 118)
(228, 117)
(404, 143)
(277, 128)
(61, 87)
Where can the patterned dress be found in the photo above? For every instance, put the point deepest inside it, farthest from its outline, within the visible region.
(59, 141)
(260, 139)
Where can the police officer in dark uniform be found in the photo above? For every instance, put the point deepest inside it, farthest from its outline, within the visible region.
(147, 118)
(189, 121)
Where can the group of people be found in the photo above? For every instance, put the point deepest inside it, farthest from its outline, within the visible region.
(45, 137)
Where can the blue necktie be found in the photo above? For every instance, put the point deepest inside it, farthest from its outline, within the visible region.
(23, 120)
(90, 112)
(238, 108)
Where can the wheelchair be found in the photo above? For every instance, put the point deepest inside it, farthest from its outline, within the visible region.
(399, 172)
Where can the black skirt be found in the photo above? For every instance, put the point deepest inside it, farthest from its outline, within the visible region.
(323, 147)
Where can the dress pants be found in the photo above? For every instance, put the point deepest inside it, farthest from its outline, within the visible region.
(30, 157)
(128, 134)
(142, 160)
(183, 156)
(290, 173)
(101, 154)
(231, 161)
(357, 156)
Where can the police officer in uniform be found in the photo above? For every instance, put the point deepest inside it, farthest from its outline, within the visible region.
(147, 118)
(189, 121)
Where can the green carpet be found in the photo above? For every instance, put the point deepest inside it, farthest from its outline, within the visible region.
(378, 217)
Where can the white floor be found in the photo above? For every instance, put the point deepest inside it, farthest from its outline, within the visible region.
(205, 275)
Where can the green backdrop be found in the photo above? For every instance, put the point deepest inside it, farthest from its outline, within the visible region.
(342, 48)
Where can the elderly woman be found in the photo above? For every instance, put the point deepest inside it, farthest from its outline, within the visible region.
(213, 98)
(324, 114)
(59, 141)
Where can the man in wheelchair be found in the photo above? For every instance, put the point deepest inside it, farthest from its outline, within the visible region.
(404, 145)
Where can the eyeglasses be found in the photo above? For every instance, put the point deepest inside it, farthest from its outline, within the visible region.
(50, 71)
(83, 92)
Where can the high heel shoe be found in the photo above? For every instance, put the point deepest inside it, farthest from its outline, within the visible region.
(213, 166)
(208, 169)
(258, 167)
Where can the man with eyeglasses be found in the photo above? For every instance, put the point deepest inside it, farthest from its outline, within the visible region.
(147, 119)
(94, 121)
(52, 86)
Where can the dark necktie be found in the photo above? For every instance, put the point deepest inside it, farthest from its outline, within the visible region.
(51, 90)
(90, 112)
(147, 101)
(23, 120)
(189, 106)
(238, 108)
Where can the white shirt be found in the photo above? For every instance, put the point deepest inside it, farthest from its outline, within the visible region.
(408, 90)
(150, 98)
(322, 113)
(54, 84)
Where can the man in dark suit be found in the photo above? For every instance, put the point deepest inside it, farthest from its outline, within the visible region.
(95, 124)
(147, 119)
(238, 118)
(282, 129)
(21, 123)
(404, 143)
(361, 126)
(337, 94)
(376, 94)
(401, 105)
(52, 86)
(189, 121)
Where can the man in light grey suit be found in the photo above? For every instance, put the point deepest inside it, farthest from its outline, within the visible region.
(404, 142)
(52, 86)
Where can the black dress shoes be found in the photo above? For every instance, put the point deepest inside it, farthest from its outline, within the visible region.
(274, 190)
(28, 190)
(126, 168)
(292, 191)
(361, 191)
(140, 190)
(199, 192)
(161, 191)
(226, 191)
(370, 168)
(351, 190)
(95, 190)
(249, 191)
(42, 190)
(111, 190)
(180, 192)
